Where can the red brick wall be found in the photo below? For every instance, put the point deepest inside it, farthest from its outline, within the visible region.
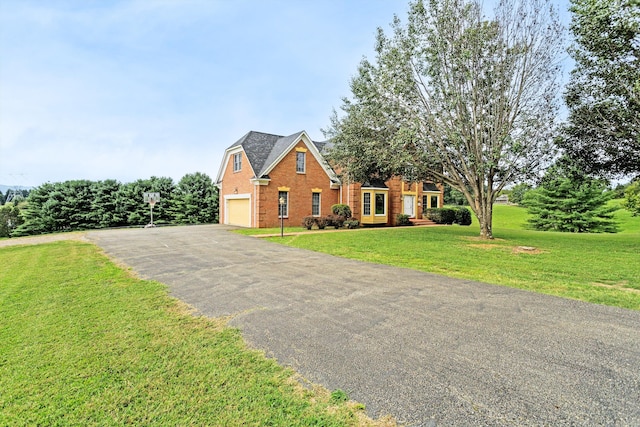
(265, 197)
(300, 185)
(235, 182)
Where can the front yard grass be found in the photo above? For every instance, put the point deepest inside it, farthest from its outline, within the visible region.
(598, 268)
(84, 343)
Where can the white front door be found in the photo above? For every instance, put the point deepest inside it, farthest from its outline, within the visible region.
(410, 206)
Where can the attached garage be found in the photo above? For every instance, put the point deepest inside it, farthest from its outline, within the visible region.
(238, 211)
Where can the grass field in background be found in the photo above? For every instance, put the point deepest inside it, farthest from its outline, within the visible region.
(598, 268)
(84, 343)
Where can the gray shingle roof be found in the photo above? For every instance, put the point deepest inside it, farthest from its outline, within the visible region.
(257, 146)
(278, 148)
(262, 149)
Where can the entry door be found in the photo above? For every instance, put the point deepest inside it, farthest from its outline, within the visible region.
(410, 206)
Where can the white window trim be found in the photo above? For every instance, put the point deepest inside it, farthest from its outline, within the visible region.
(364, 203)
(237, 156)
(304, 162)
(286, 215)
(319, 204)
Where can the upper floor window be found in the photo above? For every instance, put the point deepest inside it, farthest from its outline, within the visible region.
(237, 162)
(300, 162)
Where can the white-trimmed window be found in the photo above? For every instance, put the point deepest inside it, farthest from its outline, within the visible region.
(315, 204)
(301, 158)
(283, 209)
(237, 162)
(366, 204)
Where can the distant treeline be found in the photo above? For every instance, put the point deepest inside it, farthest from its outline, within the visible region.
(83, 205)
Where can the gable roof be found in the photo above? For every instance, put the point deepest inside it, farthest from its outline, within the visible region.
(279, 149)
(264, 151)
(257, 147)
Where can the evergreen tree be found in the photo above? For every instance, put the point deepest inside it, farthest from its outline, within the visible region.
(196, 200)
(76, 205)
(35, 221)
(569, 200)
(104, 204)
(131, 210)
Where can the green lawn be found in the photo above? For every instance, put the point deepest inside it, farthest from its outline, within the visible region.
(599, 268)
(84, 343)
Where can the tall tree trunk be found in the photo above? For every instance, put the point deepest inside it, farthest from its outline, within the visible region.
(486, 227)
(482, 206)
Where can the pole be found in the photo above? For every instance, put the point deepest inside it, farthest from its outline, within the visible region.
(281, 219)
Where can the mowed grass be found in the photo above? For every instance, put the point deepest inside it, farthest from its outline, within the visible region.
(84, 343)
(598, 268)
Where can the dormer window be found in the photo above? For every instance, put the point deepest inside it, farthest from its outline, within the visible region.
(301, 162)
(237, 162)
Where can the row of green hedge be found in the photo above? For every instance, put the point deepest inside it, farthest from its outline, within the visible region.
(460, 215)
(336, 221)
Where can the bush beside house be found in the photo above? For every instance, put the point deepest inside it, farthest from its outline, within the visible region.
(459, 215)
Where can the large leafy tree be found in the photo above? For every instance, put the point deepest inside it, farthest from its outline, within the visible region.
(603, 95)
(455, 96)
(632, 198)
(9, 218)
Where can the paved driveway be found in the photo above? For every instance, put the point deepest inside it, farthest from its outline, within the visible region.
(426, 349)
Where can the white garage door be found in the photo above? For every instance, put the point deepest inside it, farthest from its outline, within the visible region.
(239, 212)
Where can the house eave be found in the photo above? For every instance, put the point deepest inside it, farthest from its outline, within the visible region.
(260, 181)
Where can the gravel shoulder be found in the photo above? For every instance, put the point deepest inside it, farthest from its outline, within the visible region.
(45, 238)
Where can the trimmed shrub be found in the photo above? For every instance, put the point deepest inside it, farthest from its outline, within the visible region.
(341, 210)
(448, 216)
(463, 216)
(434, 215)
(335, 221)
(444, 215)
(352, 223)
(308, 222)
(321, 222)
(403, 219)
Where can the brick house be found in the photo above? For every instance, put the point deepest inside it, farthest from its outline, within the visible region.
(260, 169)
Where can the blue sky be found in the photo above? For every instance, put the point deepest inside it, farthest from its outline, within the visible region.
(130, 89)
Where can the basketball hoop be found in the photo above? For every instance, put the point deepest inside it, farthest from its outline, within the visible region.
(152, 199)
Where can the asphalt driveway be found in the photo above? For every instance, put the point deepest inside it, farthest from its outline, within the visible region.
(427, 349)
